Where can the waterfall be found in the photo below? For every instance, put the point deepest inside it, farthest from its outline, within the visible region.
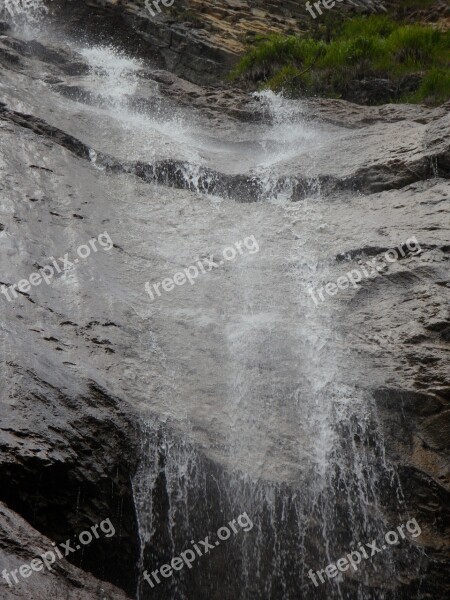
(335, 496)
(24, 13)
(256, 403)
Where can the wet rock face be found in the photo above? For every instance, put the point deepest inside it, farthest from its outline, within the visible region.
(201, 40)
(197, 39)
(20, 543)
(379, 91)
(65, 465)
(223, 362)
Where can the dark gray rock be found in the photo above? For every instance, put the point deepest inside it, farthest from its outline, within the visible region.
(222, 369)
(20, 544)
(65, 465)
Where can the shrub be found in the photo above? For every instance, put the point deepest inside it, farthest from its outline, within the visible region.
(434, 89)
(364, 49)
(286, 79)
(416, 44)
(363, 46)
(274, 53)
(376, 25)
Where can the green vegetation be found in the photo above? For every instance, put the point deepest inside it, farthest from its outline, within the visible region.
(435, 88)
(414, 59)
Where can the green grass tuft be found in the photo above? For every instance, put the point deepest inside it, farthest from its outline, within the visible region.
(376, 25)
(360, 48)
(434, 89)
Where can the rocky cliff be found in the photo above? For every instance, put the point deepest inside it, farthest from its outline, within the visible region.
(197, 39)
(191, 410)
(201, 40)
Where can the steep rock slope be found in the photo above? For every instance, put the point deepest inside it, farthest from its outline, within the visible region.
(197, 39)
(83, 363)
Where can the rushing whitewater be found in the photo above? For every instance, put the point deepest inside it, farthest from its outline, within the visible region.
(26, 13)
(329, 425)
(251, 397)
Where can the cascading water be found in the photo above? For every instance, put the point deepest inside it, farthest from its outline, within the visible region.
(25, 14)
(133, 110)
(298, 446)
(335, 499)
(343, 478)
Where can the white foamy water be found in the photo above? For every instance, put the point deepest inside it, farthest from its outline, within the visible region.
(252, 373)
(24, 12)
(304, 410)
(115, 74)
(133, 106)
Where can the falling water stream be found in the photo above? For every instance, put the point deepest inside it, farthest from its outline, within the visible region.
(295, 440)
(334, 502)
(27, 14)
